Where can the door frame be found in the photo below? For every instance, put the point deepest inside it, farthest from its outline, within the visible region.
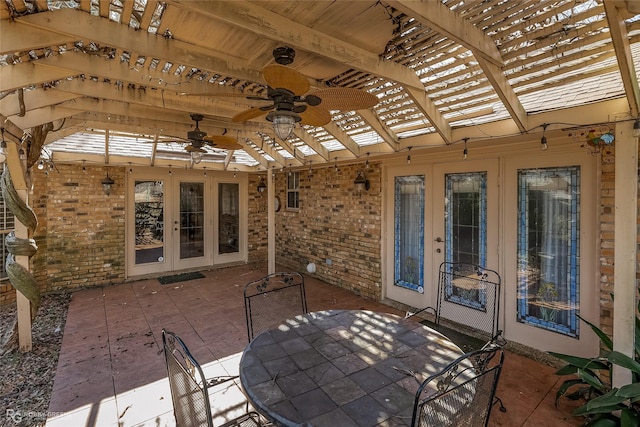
(171, 179)
(175, 263)
(434, 224)
(587, 344)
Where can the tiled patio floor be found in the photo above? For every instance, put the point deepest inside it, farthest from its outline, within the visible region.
(111, 370)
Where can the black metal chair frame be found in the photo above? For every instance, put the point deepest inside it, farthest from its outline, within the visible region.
(487, 283)
(273, 298)
(478, 365)
(189, 387)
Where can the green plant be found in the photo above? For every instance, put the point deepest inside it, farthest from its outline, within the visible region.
(605, 405)
(410, 267)
(546, 297)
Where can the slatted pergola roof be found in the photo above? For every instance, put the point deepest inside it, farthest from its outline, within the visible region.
(117, 79)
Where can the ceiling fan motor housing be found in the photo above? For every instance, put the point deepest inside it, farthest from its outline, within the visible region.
(284, 55)
(196, 135)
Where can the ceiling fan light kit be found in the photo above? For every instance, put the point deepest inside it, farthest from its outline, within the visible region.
(289, 102)
(284, 122)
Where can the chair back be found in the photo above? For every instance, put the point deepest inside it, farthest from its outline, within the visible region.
(469, 295)
(462, 394)
(191, 406)
(272, 299)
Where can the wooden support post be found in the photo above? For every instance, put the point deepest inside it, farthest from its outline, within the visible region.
(22, 303)
(271, 225)
(16, 169)
(625, 248)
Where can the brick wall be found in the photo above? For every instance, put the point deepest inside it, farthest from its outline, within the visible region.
(335, 228)
(607, 211)
(81, 231)
(257, 222)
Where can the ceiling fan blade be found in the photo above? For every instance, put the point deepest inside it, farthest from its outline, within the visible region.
(223, 142)
(249, 114)
(315, 116)
(345, 99)
(279, 76)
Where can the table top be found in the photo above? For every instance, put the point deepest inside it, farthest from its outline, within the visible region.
(342, 368)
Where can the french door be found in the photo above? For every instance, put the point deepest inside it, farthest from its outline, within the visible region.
(531, 218)
(184, 221)
(442, 212)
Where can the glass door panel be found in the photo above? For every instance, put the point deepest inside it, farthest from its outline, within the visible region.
(191, 220)
(549, 249)
(228, 218)
(466, 218)
(409, 232)
(149, 222)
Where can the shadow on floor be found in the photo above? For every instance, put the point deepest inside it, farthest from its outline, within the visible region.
(111, 369)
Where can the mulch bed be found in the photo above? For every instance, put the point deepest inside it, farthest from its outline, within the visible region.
(26, 379)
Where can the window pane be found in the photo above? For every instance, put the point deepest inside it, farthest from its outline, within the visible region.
(228, 218)
(409, 232)
(149, 207)
(191, 220)
(549, 249)
(466, 217)
(293, 186)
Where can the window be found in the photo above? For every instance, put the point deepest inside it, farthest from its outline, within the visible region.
(228, 218)
(293, 190)
(466, 218)
(409, 232)
(549, 249)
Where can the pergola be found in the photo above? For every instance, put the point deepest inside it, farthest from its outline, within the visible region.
(115, 83)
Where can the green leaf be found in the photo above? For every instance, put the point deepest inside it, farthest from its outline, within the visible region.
(604, 422)
(567, 370)
(585, 410)
(609, 421)
(629, 391)
(591, 379)
(623, 360)
(629, 418)
(566, 385)
(579, 394)
(606, 403)
(606, 341)
(581, 362)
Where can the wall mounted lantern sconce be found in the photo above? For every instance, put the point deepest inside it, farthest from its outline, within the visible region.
(107, 184)
(361, 182)
(261, 185)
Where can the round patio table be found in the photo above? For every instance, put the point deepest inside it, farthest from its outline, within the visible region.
(341, 368)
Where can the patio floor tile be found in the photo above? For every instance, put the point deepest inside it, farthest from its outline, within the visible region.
(111, 370)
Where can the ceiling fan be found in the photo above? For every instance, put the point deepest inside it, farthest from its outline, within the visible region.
(198, 139)
(289, 103)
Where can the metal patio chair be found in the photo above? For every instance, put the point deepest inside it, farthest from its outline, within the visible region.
(462, 394)
(469, 301)
(468, 296)
(189, 388)
(272, 299)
